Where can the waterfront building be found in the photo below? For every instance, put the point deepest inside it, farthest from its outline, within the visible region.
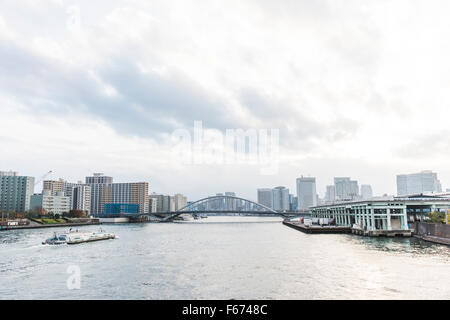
(127, 193)
(383, 216)
(345, 188)
(417, 183)
(306, 192)
(280, 199)
(79, 193)
(54, 204)
(120, 209)
(15, 191)
(265, 197)
(97, 182)
(103, 191)
(366, 191)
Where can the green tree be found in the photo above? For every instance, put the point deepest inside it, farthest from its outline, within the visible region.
(436, 217)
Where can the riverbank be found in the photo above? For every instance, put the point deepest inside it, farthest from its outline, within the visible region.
(35, 225)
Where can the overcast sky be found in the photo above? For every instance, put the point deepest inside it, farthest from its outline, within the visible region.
(356, 88)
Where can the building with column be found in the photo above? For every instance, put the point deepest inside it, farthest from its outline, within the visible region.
(15, 191)
(394, 216)
(416, 183)
(306, 192)
(50, 204)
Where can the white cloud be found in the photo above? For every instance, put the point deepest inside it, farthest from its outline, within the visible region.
(355, 80)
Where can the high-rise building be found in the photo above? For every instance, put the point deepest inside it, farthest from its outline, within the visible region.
(99, 178)
(126, 193)
(15, 191)
(79, 193)
(54, 204)
(180, 201)
(104, 191)
(416, 183)
(366, 191)
(346, 189)
(80, 199)
(280, 199)
(265, 197)
(330, 194)
(152, 204)
(306, 193)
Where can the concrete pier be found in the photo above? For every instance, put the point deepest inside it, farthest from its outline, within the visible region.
(316, 229)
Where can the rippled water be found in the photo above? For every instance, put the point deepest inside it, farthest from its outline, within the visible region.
(223, 258)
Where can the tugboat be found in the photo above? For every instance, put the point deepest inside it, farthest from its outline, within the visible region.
(75, 237)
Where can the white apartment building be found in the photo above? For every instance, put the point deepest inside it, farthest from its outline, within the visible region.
(55, 204)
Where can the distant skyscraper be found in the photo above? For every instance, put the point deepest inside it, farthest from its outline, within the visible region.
(15, 191)
(415, 183)
(265, 197)
(306, 193)
(330, 194)
(180, 201)
(99, 178)
(366, 191)
(280, 199)
(346, 188)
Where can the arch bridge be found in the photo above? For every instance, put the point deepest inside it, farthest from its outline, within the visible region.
(223, 204)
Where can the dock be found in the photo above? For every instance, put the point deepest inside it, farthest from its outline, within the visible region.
(316, 228)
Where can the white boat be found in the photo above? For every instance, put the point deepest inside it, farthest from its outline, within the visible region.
(75, 237)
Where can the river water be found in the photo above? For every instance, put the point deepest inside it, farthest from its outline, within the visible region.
(221, 258)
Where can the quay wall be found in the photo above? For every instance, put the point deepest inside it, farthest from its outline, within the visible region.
(432, 229)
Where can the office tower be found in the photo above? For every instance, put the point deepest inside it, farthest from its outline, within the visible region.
(330, 194)
(366, 191)
(346, 189)
(280, 199)
(265, 197)
(293, 202)
(306, 193)
(15, 191)
(97, 182)
(49, 203)
(416, 183)
(180, 201)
